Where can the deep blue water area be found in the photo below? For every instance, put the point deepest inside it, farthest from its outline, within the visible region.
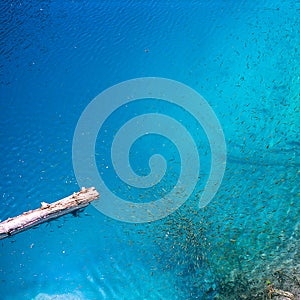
(241, 56)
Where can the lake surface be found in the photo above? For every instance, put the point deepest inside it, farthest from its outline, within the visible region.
(242, 57)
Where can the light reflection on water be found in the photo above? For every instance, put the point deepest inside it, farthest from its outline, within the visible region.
(55, 57)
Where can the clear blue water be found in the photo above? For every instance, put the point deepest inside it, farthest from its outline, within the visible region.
(56, 56)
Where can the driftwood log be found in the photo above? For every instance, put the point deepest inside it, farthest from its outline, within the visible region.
(47, 211)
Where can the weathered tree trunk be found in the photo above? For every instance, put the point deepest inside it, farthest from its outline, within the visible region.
(47, 211)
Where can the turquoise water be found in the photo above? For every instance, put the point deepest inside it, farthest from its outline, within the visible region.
(241, 56)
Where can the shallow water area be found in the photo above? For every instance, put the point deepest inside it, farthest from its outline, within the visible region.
(243, 58)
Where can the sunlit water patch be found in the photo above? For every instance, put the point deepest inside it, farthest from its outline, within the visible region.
(242, 57)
